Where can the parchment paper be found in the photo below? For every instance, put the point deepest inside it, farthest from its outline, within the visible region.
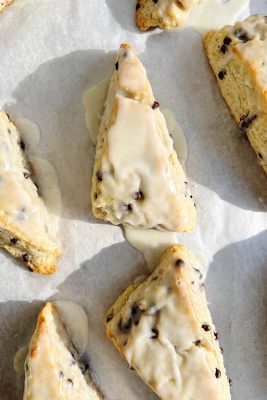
(50, 53)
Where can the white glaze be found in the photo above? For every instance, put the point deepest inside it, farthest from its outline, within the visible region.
(213, 14)
(76, 321)
(19, 359)
(171, 363)
(44, 172)
(20, 204)
(93, 102)
(150, 242)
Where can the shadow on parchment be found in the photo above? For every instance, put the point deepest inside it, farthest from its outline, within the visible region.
(238, 303)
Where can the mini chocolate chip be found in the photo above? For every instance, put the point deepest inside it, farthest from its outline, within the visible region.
(137, 6)
(216, 335)
(192, 283)
(179, 263)
(155, 1)
(13, 241)
(134, 309)
(25, 257)
(117, 65)
(138, 195)
(155, 333)
(224, 49)
(197, 343)
(155, 105)
(95, 195)
(246, 120)
(132, 368)
(227, 41)
(22, 145)
(125, 327)
(217, 373)
(221, 74)
(230, 382)
(99, 176)
(186, 182)
(199, 272)
(244, 37)
(191, 196)
(26, 175)
(222, 351)
(61, 375)
(69, 383)
(128, 207)
(206, 327)
(110, 317)
(260, 155)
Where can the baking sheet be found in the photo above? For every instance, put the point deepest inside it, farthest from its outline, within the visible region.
(51, 52)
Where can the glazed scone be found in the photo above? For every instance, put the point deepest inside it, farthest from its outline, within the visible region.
(137, 179)
(52, 367)
(164, 330)
(4, 4)
(238, 57)
(25, 224)
(166, 14)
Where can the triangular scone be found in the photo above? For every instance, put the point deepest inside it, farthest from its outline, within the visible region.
(25, 224)
(52, 369)
(138, 180)
(164, 330)
(166, 14)
(238, 57)
(4, 4)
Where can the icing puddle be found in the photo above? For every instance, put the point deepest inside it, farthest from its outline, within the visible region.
(214, 14)
(44, 172)
(150, 242)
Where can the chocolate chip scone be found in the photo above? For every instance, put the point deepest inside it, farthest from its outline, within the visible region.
(52, 368)
(4, 4)
(164, 330)
(238, 57)
(25, 224)
(137, 179)
(166, 14)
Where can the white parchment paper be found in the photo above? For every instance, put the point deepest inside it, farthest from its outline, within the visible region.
(51, 51)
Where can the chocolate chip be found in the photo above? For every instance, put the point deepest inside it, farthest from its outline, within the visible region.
(155, 1)
(69, 383)
(117, 65)
(227, 41)
(128, 207)
(243, 37)
(224, 49)
(99, 176)
(199, 272)
(260, 155)
(110, 317)
(206, 327)
(191, 196)
(197, 343)
(126, 326)
(61, 375)
(134, 309)
(137, 6)
(25, 257)
(216, 335)
(221, 74)
(13, 241)
(155, 105)
(246, 120)
(136, 313)
(217, 373)
(186, 182)
(155, 333)
(222, 351)
(179, 263)
(22, 145)
(230, 382)
(138, 195)
(95, 195)
(26, 175)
